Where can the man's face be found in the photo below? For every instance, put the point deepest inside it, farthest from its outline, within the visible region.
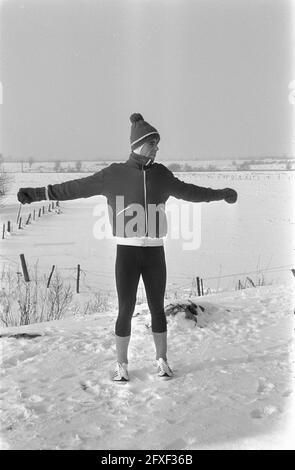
(150, 148)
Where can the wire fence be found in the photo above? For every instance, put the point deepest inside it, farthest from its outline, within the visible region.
(12, 226)
(86, 281)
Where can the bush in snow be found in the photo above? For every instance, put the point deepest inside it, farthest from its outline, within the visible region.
(249, 282)
(98, 302)
(4, 183)
(59, 297)
(23, 303)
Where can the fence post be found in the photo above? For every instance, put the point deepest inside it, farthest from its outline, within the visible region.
(18, 214)
(28, 219)
(24, 268)
(8, 227)
(202, 287)
(20, 223)
(3, 232)
(49, 208)
(78, 279)
(293, 271)
(40, 212)
(43, 210)
(50, 276)
(34, 214)
(198, 286)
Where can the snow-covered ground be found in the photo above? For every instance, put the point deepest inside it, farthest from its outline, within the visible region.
(233, 385)
(234, 377)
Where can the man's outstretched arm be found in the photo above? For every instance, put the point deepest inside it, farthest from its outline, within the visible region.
(194, 193)
(74, 189)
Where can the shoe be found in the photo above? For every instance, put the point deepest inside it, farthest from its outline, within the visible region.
(163, 368)
(121, 373)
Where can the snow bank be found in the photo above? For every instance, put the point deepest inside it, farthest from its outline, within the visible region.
(232, 388)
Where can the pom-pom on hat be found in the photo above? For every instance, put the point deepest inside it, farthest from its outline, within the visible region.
(141, 131)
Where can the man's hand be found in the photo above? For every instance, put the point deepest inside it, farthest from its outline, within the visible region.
(28, 195)
(230, 195)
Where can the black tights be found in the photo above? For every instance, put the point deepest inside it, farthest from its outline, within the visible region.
(131, 262)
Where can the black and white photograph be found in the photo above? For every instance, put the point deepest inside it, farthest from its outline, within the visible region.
(147, 227)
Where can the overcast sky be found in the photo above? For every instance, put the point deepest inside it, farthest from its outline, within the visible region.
(211, 75)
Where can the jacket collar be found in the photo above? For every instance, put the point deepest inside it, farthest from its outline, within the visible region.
(139, 161)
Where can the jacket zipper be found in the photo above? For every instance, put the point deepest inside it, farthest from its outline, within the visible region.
(145, 207)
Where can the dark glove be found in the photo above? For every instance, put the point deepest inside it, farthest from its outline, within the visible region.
(230, 195)
(28, 195)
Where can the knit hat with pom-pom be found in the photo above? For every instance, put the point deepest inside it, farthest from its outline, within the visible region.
(141, 131)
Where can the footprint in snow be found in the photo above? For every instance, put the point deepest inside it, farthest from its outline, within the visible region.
(35, 399)
(287, 393)
(267, 410)
(177, 444)
(264, 387)
(88, 387)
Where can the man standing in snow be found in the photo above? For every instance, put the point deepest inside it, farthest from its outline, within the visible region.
(139, 183)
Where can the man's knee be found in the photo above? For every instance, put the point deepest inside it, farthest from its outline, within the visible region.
(123, 327)
(159, 322)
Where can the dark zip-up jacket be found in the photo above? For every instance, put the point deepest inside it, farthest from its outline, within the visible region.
(130, 185)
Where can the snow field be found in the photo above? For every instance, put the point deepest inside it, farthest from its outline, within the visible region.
(233, 382)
